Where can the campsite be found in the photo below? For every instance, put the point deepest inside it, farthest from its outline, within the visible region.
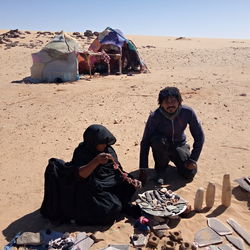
(63, 59)
(43, 120)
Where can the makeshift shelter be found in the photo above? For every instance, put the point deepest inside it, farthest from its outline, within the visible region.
(111, 52)
(57, 61)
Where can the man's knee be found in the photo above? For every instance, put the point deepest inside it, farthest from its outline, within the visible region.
(183, 152)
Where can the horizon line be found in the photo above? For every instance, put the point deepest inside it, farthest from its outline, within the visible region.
(149, 35)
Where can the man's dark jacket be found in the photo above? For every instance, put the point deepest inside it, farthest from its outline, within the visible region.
(172, 127)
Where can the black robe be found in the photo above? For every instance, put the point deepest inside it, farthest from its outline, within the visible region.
(103, 195)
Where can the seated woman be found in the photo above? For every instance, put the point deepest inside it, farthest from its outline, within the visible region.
(103, 190)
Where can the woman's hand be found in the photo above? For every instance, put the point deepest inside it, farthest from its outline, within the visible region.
(136, 183)
(86, 170)
(103, 158)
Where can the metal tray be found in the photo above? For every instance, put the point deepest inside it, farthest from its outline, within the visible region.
(171, 207)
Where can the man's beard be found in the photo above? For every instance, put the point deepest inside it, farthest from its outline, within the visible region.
(171, 110)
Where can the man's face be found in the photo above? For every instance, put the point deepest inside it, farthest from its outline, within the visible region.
(170, 104)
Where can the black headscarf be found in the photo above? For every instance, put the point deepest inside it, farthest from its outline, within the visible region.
(104, 175)
(95, 134)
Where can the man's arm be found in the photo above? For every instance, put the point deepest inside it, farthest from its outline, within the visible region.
(198, 135)
(145, 142)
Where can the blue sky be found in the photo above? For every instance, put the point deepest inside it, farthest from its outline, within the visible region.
(189, 18)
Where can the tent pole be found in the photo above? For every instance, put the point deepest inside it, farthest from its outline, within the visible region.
(88, 56)
(120, 63)
(108, 68)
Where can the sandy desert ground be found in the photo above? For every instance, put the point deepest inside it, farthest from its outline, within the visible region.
(40, 121)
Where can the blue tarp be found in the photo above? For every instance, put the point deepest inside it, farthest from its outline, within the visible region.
(114, 37)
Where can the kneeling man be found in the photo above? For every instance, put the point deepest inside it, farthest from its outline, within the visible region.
(164, 133)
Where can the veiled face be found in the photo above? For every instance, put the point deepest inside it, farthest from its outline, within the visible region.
(101, 147)
(170, 104)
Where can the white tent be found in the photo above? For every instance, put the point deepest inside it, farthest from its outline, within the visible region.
(57, 61)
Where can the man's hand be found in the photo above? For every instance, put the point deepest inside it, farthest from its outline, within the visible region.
(190, 165)
(143, 176)
(103, 158)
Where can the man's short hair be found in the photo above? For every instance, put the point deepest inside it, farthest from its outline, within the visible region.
(169, 92)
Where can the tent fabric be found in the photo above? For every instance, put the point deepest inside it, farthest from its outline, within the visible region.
(95, 58)
(113, 38)
(112, 41)
(63, 43)
(95, 46)
(57, 61)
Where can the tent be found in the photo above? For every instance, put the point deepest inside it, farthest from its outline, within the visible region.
(57, 61)
(120, 54)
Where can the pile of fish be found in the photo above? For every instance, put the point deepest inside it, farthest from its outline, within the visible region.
(161, 202)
